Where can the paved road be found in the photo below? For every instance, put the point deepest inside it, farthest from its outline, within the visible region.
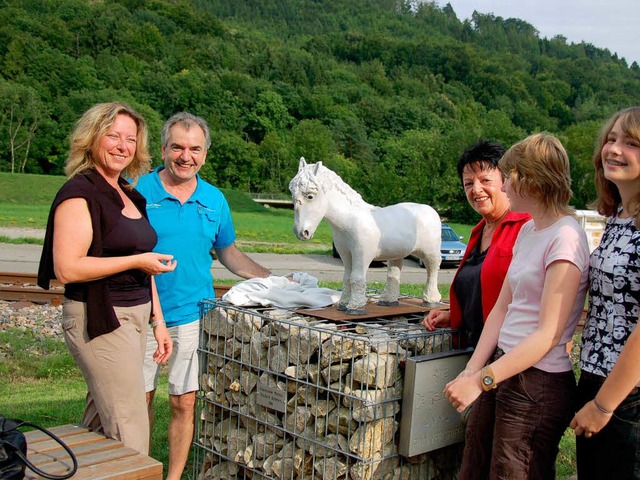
(24, 259)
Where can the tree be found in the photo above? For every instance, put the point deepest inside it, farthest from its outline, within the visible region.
(312, 140)
(579, 141)
(21, 111)
(269, 115)
(278, 169)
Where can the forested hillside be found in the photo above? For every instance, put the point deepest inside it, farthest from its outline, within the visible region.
(385, 92)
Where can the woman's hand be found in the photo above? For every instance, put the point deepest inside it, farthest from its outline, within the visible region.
(165, 344)
(467, 372)
(589, 420)
(436, 318)
(463, 391)
(153, 263)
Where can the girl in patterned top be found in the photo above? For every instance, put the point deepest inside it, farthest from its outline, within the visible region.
(608, 393)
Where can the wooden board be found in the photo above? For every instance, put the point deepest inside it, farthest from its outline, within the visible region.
(405, 306)
(220, 290)
(98, 457)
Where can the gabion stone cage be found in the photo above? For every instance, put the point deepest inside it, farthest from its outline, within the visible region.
(288, 396)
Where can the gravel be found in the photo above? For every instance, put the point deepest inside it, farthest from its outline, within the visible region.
(44, 319)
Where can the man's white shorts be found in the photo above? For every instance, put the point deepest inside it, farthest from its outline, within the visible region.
(183, 364)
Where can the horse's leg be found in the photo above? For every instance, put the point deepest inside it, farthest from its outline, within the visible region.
(358, 288)
(346, 293)
(431, 296)
(389, 297)
(346, 284)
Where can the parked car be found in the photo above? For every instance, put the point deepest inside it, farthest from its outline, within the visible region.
(452, 249)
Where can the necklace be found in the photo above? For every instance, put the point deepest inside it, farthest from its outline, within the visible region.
(490, 227)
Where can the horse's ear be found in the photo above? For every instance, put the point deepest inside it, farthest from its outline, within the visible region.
(318, 166)
(302, 164)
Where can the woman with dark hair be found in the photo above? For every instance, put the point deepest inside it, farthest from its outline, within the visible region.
(477, 282)
(99, 245)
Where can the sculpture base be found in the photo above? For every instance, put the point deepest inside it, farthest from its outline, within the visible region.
(373, 310)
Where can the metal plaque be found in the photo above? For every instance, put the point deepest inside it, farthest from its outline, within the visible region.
(428, 420)
(272, 397)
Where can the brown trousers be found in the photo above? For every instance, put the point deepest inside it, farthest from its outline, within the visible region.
(112, 367)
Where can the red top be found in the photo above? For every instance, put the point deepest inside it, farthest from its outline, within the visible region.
(495, 265)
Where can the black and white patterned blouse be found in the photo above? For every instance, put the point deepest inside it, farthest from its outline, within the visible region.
(614, 296)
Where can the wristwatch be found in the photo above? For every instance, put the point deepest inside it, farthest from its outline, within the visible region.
(488, 379)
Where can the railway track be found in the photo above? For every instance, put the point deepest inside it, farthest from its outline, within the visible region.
(22, 287)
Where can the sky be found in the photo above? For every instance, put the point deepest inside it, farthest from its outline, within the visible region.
(612, 25)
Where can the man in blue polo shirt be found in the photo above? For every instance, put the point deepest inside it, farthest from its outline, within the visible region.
(192, 218)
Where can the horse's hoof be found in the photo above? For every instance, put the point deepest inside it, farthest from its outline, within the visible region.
(387, 303)
(341, 307)
(356, 311)
(432, 304)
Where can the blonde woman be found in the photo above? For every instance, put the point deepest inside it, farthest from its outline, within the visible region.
(519, 377)
(98, 244)
(607, 426)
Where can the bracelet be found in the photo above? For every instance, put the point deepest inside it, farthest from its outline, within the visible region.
(155, 323)
(601, 408)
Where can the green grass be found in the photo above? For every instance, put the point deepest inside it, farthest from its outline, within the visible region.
(277, 228)
(26, 216)
(23, 347)
(42, 384)
(21, 240)
(25, 202)
(27, 189)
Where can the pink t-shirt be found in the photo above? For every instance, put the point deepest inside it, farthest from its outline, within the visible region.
(533, 252)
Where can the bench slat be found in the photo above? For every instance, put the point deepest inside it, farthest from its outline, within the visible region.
(129, 468)
(108, 457)
(61, 431)
(71, 441)
(61, 455)
(98, 457)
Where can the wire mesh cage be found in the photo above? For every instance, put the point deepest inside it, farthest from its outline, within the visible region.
(284, 395)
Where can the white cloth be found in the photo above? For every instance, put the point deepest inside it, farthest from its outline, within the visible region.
(302, 291)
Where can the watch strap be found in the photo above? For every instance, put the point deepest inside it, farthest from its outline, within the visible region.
(487, 379)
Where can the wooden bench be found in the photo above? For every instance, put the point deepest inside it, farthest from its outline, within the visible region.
(98, 457)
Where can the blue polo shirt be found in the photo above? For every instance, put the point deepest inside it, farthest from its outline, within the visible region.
(188, 232)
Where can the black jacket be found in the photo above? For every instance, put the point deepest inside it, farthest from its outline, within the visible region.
(105, 207)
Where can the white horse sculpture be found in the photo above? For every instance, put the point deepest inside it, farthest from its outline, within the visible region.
(364, 232)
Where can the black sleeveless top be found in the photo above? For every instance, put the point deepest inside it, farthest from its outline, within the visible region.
(105, 208)
(468, 290)
(130, 236)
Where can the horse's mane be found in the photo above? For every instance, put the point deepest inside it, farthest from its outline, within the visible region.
(325, 180)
